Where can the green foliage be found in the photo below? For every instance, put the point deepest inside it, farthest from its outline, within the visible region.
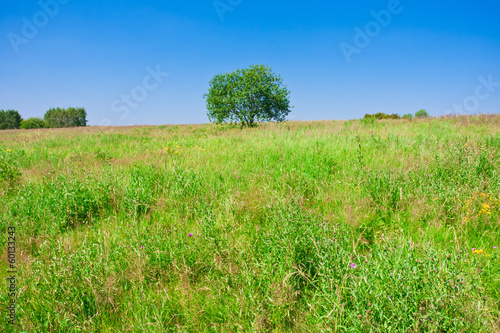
(247, 96)
(10, 119)
(408, 116)
(9, 172)
(60, 204)
(142, 189)
(368, 121)
(382, 115)
(421, 114)
(70, 117)
(33, 122)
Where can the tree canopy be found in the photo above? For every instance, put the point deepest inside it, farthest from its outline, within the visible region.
(10, 119)
(70, 117)
(421, 114)
(247, 96)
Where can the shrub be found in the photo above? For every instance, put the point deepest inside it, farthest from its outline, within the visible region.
(408, 116)
(33, 122)
(382, 115)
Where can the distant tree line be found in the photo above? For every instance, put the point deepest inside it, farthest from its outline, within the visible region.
(53, 118)
(419, 114)
(382, 115)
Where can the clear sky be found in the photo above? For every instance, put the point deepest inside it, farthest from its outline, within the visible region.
(149, 62)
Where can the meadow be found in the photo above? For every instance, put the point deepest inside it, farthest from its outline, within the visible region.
(327, 226)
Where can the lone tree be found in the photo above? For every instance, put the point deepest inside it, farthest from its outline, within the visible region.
(421, 114)
(247, 96)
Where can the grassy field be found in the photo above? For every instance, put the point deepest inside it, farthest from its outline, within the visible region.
(331, 226)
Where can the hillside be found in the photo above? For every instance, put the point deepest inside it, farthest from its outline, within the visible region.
(327, 226)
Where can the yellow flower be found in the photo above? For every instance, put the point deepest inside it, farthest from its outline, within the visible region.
(480, 252)
(8, 150)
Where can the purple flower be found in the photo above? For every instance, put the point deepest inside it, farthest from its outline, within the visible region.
(495, 247)
(353, 265)
(142, 246)
(473, 249)
(190, 235)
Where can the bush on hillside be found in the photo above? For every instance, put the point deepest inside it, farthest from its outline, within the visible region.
(382, 115)
(33, 122)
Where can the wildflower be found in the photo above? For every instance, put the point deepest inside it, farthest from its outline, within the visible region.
(473, 249)
(480, 252)
(190, 235)
(495, 247)
(8, 150)
(142, 246)
(353, 265)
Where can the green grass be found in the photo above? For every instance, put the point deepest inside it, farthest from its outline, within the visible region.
(280, 214)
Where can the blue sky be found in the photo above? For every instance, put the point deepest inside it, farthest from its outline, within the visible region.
(149, 62)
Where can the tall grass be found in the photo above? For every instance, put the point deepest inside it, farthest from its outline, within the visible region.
(356, 226)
